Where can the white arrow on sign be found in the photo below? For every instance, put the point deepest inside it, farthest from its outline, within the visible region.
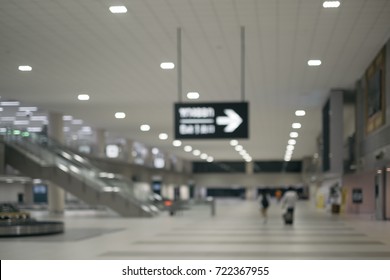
(232, 120)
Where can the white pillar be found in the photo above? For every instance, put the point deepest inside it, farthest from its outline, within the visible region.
(129, 148)
(251, 193)
(184, 192)
(249, 168)
(56, 195)
(101, 142)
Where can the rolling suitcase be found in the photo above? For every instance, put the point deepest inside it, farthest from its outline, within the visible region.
(288, 217)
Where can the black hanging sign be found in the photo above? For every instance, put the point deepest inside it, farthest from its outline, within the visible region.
(211, 120)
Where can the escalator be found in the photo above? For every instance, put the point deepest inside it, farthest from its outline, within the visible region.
(40, 157)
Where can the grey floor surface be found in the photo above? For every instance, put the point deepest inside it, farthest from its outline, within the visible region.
(236, 232)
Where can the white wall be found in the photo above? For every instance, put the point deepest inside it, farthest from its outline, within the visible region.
(9, 192)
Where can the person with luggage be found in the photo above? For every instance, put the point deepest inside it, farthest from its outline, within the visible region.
(264, 205)
(288, 201)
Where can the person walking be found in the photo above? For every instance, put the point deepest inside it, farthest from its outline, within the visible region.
(278, 195)
(288, 201)
(264, 205)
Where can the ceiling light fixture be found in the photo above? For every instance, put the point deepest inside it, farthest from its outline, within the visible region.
(233, 142)
(25, 68)
(239, 148)
(196, 152)
(167, 65)
(176, 143)
(163, 136)
(314, 62)
(83, 97)
(187, 148)
(210, 159)
(300, 113)
(118, 9)
(203, 156)
(145, 127)
(294, 134)
(331, 4)
(193, 95)
(290, 147)
(296, 125)
(292, 142)
(120, 115)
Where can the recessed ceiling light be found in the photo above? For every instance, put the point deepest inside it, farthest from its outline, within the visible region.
(187, 148)
(233, 142)
(287, 158)
(193, 95)
(203, 156)
(196, 152)
(210, 159)
(290, 148)
(331, 4)
(67, 118)
(296, 125)
(163, 136)
(314, 62)
(238, 148)
(176, 143)
(83, 97)
(300, 113)
(118, 9)
(294, 134)
(248, 159)
(25, 68)
(120, 115)
(145, 127)
(167, 65)
(292, 142)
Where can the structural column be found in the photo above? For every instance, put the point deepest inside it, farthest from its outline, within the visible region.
(251, 191)
(129, 148)
(101, 142)
(56, 195)
(333, 134)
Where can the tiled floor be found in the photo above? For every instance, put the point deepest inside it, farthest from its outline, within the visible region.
(235, 232)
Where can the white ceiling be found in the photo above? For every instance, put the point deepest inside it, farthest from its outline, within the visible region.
(78, 46)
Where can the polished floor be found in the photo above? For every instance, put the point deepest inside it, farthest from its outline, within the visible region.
(236, 232)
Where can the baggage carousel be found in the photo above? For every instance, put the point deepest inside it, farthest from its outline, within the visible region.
(14, 223)
(29, 227)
